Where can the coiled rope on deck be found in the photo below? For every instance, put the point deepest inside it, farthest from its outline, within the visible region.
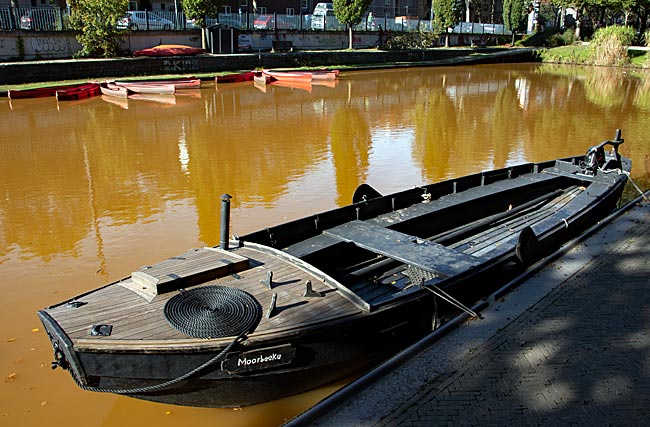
(207, 312)
(213, 312)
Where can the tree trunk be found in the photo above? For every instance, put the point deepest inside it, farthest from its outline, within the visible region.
(350, 37)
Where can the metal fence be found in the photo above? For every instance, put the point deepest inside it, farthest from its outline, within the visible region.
(56, 19)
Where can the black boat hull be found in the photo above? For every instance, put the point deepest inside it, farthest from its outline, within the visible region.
(321, 357)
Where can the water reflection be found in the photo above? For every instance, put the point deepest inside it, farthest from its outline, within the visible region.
(93, 189)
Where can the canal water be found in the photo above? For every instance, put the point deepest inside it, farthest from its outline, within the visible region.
(91, 190)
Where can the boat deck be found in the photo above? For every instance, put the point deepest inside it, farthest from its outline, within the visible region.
(136, 321)
(497, 238)
(134, 307)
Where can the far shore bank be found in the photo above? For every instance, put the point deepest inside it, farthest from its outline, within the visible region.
(17, 73)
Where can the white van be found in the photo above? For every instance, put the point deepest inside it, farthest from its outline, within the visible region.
(323, 12)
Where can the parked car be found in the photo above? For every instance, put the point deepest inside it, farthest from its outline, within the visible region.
(38, 19)
(263, 22)
(141, 20)
(284, 22)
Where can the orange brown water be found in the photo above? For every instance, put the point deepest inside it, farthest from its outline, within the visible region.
(92, 190)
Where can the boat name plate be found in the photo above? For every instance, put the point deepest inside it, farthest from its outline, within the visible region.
(256, 360)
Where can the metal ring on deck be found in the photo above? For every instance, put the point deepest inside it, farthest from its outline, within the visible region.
(213, 312)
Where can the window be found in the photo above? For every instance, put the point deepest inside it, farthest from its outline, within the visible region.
(243, 3)
(289, 11)
(261, 10)
(304, 4)
(227, 10)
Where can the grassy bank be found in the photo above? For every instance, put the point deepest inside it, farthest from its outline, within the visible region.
(581, 54)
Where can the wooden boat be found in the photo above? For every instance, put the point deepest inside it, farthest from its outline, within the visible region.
(149, 88)
(288, 76)
(42, 92)
(311, 301)
(85, 91)
(111, 89)
(235, 77)
(261, 78)
(180, 83)
(324, 74)
(169, 50)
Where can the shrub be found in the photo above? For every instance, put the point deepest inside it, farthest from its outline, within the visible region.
(563, 39)
(609, 45)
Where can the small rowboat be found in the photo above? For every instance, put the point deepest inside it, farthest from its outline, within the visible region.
(288, 76)
(323, 74)
(261, 78)
(158, 89)
(80, 92)
(235, 77)
(181, 83)
(169, 50)
(111, 89)
(41, 92)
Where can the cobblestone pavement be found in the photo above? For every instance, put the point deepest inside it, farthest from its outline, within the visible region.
(577, 351)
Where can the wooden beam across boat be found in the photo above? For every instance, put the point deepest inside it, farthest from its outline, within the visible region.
(423, 254)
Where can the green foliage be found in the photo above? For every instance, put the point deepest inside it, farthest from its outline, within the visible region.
(572, 54)
(562, 39)
(200, 9)
(515, 14)
(646, 37)
(410, 40)
(609, 45)
(447, 13)
(350, 12)
(96, 22)
(20, 46)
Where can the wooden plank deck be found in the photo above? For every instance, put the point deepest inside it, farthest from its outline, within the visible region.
(137, 321)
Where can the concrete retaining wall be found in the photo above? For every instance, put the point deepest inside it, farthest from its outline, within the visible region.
(26, 45)
(38, 71)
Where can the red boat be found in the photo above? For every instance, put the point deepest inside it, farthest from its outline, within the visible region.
(80, 92)
(235, 77)
(323, 74)
(40, 92)
(169, 50)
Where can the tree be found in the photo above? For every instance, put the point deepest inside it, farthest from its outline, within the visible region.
(199, 10)
(350, 12)
(447, 13)
(515, 15)
(97, 22)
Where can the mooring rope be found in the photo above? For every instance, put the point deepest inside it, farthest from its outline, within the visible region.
(156, 387)
(453, 301)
